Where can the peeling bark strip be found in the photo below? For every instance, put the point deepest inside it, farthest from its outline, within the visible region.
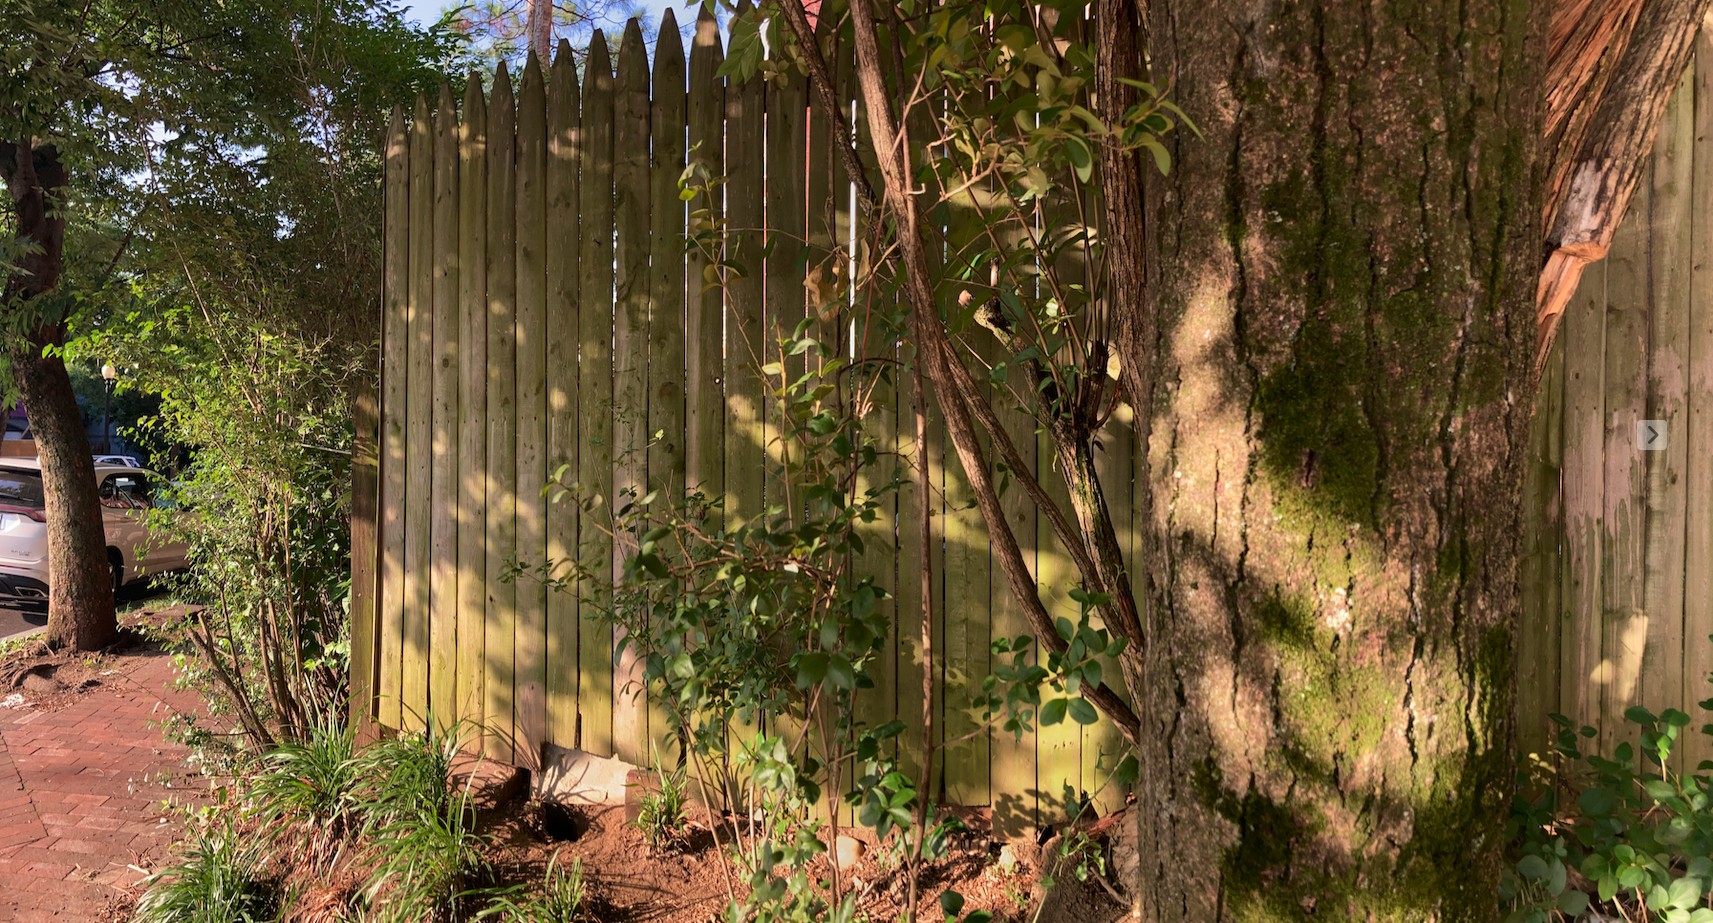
(80, 597)
(1590, 191)
(1344, 274)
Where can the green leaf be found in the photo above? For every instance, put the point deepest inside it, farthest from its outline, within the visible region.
(1054, 712)
(1082, 712)
(1572, 903)
(951, 902)
(1081, 160)
(1641, 716)
(811, 669)
(840, 671)
(1533, 868)
(1597, 802)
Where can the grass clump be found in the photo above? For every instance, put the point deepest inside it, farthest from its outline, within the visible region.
(660, 817)
(217, 879)
(428, 862)
(306, 793)
(560, 901)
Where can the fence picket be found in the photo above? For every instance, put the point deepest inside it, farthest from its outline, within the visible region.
(443, 445)
(595, 385)
(1623, 522)
(704, 321)
(630, 353)
(420, 322)
(786, 140)
(564, 136)
(1537, 648)
(472, 399)
(1698, 478)
(395, 391)
(666, 326)
(1668, 258)
(499, 695)
(1584, 333)
(530, 642)
(744, 457)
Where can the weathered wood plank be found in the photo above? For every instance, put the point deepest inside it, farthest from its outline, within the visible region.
(1698, 545)
(786, 140)
(1012, 759)
(914, 558)
(595, 386)
(472, 401)
(530, 640)
(365, 503)
(744, 436)
(630, 355)
(1623, 520)
(420, 321)
(499, 692)
(443, 444)
(564, 137)
(1584, 495)
(1539, 633)
(1058, 749)
(704, 359)
(1669, 255)
(395, 391)
(666, 325)
(967, 605)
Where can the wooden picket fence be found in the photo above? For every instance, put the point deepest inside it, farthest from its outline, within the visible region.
(1618, 578)
(540, 310)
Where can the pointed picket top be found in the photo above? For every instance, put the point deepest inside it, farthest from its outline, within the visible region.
(707, 35)
(419, 114)
(633, 60)
(532, 79)
(598, 62)
(395, 132)
(562, 77)
(706, 52)
(668, 47)
(502, 96)
(474, 102)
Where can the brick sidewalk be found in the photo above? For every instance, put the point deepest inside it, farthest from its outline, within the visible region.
(81, 792)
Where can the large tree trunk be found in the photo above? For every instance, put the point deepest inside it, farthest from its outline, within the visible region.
(80, 592)
(1344, 274)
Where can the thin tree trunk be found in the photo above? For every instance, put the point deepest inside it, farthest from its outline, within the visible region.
(1344, 279)
(80, 590)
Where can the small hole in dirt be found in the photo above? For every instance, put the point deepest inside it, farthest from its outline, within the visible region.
(562, 823)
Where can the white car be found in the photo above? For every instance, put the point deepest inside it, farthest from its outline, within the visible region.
(127, 493)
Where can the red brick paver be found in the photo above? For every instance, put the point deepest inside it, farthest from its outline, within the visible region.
(83, 794)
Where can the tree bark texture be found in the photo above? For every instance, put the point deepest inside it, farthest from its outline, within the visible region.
(1344, 276)
(80, 597)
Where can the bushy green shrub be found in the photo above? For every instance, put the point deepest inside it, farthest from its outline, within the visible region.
(1627, 832)
(217, 878)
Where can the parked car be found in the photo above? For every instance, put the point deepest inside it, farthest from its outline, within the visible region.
(126, 492)
(123, 460)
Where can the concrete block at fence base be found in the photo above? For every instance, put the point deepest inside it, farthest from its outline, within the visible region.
(577, 777)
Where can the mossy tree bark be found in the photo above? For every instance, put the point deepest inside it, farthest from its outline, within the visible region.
(1344, 274)
(80, 591)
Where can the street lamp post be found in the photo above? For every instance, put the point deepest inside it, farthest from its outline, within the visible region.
(108, 373)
